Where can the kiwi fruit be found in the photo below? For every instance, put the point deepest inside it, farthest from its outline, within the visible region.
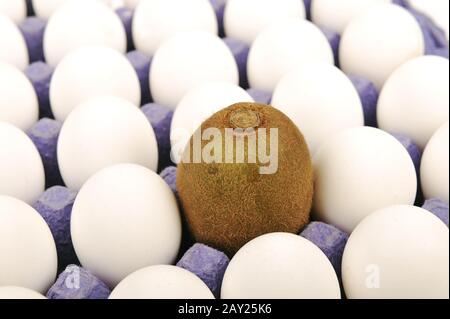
(227, 204)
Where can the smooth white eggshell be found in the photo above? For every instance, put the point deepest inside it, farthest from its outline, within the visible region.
(359, 171)
(131, 3)
(14, 293)
(280, 266)
(377, 42)
(16, 10)
(245, 19)
(319, 93)
(274, 53)
(82, 23)
(155, 21)
(21, 169)
(197, 106)
(101, 132)
(125, 218)
(14, 49)
(337, 14)
(435, 163)
(44, 9)
(186, 61)
(90, 72)
(114, 4)
(27, 249)
(162, 282)
(398, 252)
(18, 101)
(415, 99)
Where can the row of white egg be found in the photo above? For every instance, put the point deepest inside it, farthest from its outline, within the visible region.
(16, 10)
(276, 265)
(169, 87)
(412, 103)
(328, 13)
(85, 22)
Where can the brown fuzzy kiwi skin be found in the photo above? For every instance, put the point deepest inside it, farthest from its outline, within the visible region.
(227, 205)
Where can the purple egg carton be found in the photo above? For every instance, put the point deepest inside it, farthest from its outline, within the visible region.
(40, 75)
(33, 29)
(240, 51)
(438, 208)
(219, 9)
(126, 16)
(44, 135)
(142, 63)
(330, 240)
(208, 264)
(78, 283)
(369, 95)
(160, 118)
(55, 206)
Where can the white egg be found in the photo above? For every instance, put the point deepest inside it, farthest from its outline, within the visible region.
(81, 23)
(186, 61)
(245, 19)
(155, 21)
(319, 93)
(274, 53)
(14, 49)
(435, 163)
(280, 266)
(377, 42)
(359, 171)
(91, 72)
(16, 10)
(18, 101)
(21, 169)
(27, 249)
(101, 132)
(44, 9)
(415, 99)
(131, 3)
(162, 282)
(125, 218)
(13, 293)
(115, 4)
(197, 106)
(398, 252)
(337, 14)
